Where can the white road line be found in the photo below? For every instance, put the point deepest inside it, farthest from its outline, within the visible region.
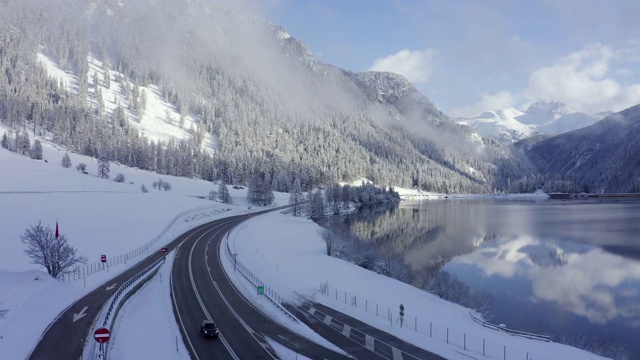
(327, 319)
(397, 354)
(312, 311)
(368, 342)
(346, 330)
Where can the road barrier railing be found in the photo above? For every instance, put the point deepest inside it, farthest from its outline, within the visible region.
(180, 223)
(270, 293)
(109, 313)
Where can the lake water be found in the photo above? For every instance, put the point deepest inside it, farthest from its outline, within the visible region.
(559, 267)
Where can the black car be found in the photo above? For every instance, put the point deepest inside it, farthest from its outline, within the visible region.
(208, 328)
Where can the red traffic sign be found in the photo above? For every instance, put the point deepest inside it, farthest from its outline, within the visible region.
(103, 258)
(164, 249)
(101, 335)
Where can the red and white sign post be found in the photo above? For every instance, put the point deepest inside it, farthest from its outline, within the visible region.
(103, 259)
(101, 335)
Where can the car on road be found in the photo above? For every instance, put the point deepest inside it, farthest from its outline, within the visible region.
(208, 329)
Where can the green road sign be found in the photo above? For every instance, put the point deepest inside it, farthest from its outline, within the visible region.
(260, 289)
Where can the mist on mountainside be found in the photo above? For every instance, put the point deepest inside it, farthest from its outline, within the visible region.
(259, 92)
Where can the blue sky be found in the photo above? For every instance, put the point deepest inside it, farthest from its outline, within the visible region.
(470, 56)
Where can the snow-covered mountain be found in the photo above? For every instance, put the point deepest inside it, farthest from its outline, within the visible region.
(554, 117)
(544, 117)
(235, 94)
(501, 124)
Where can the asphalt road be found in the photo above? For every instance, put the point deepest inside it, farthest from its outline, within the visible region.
(202, 290)
(65, 337)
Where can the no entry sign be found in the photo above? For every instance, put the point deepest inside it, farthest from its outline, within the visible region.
(101, 335)
(103, 258)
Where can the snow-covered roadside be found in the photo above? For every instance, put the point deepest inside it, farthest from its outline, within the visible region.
(149, 308)
(97, 216)
(287, 254)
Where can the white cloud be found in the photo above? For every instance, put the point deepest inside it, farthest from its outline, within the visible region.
(416, 66)
(487, 102)
(585, 81)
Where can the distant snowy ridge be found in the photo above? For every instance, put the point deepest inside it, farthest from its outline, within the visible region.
(541, 117)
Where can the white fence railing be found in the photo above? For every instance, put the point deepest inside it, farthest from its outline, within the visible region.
(180, 223)
(449, 335)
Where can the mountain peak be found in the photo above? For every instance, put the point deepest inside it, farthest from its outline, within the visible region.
(551, 108)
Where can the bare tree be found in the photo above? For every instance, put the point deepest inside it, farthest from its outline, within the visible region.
(336, 244)
(56, 255)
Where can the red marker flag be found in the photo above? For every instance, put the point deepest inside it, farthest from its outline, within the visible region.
(57, 232)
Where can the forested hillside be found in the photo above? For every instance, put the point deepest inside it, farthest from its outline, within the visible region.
(267, 104)
(600, 158)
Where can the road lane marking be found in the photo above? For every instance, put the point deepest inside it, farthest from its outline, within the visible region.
(80, 315)
(397, 354)
(346, 330)
(111, 287)
(368, 342)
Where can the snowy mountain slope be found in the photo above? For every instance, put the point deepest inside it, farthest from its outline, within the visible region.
(254, 96)
(501, 124)
(159, 120)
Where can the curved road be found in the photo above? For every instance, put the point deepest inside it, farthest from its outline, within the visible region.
(65, 336)
(201, 289)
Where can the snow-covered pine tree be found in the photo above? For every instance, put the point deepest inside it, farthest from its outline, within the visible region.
(296, 199)
(36, 150)
(316, 208)
(5, 141)
(66, 161)
(223, 194)
(103, 166)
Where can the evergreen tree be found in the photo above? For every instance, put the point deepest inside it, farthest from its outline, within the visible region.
(5, 141)
(66, 161)
(223, 194)
(23, 143)
(316, 208)
(259, 191)
(36, 151)
(296, 199)
(103, 166)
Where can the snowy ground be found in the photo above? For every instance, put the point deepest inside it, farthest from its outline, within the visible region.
(103, 217)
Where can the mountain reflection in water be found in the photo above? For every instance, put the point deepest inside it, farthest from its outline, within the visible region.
(564, 268)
